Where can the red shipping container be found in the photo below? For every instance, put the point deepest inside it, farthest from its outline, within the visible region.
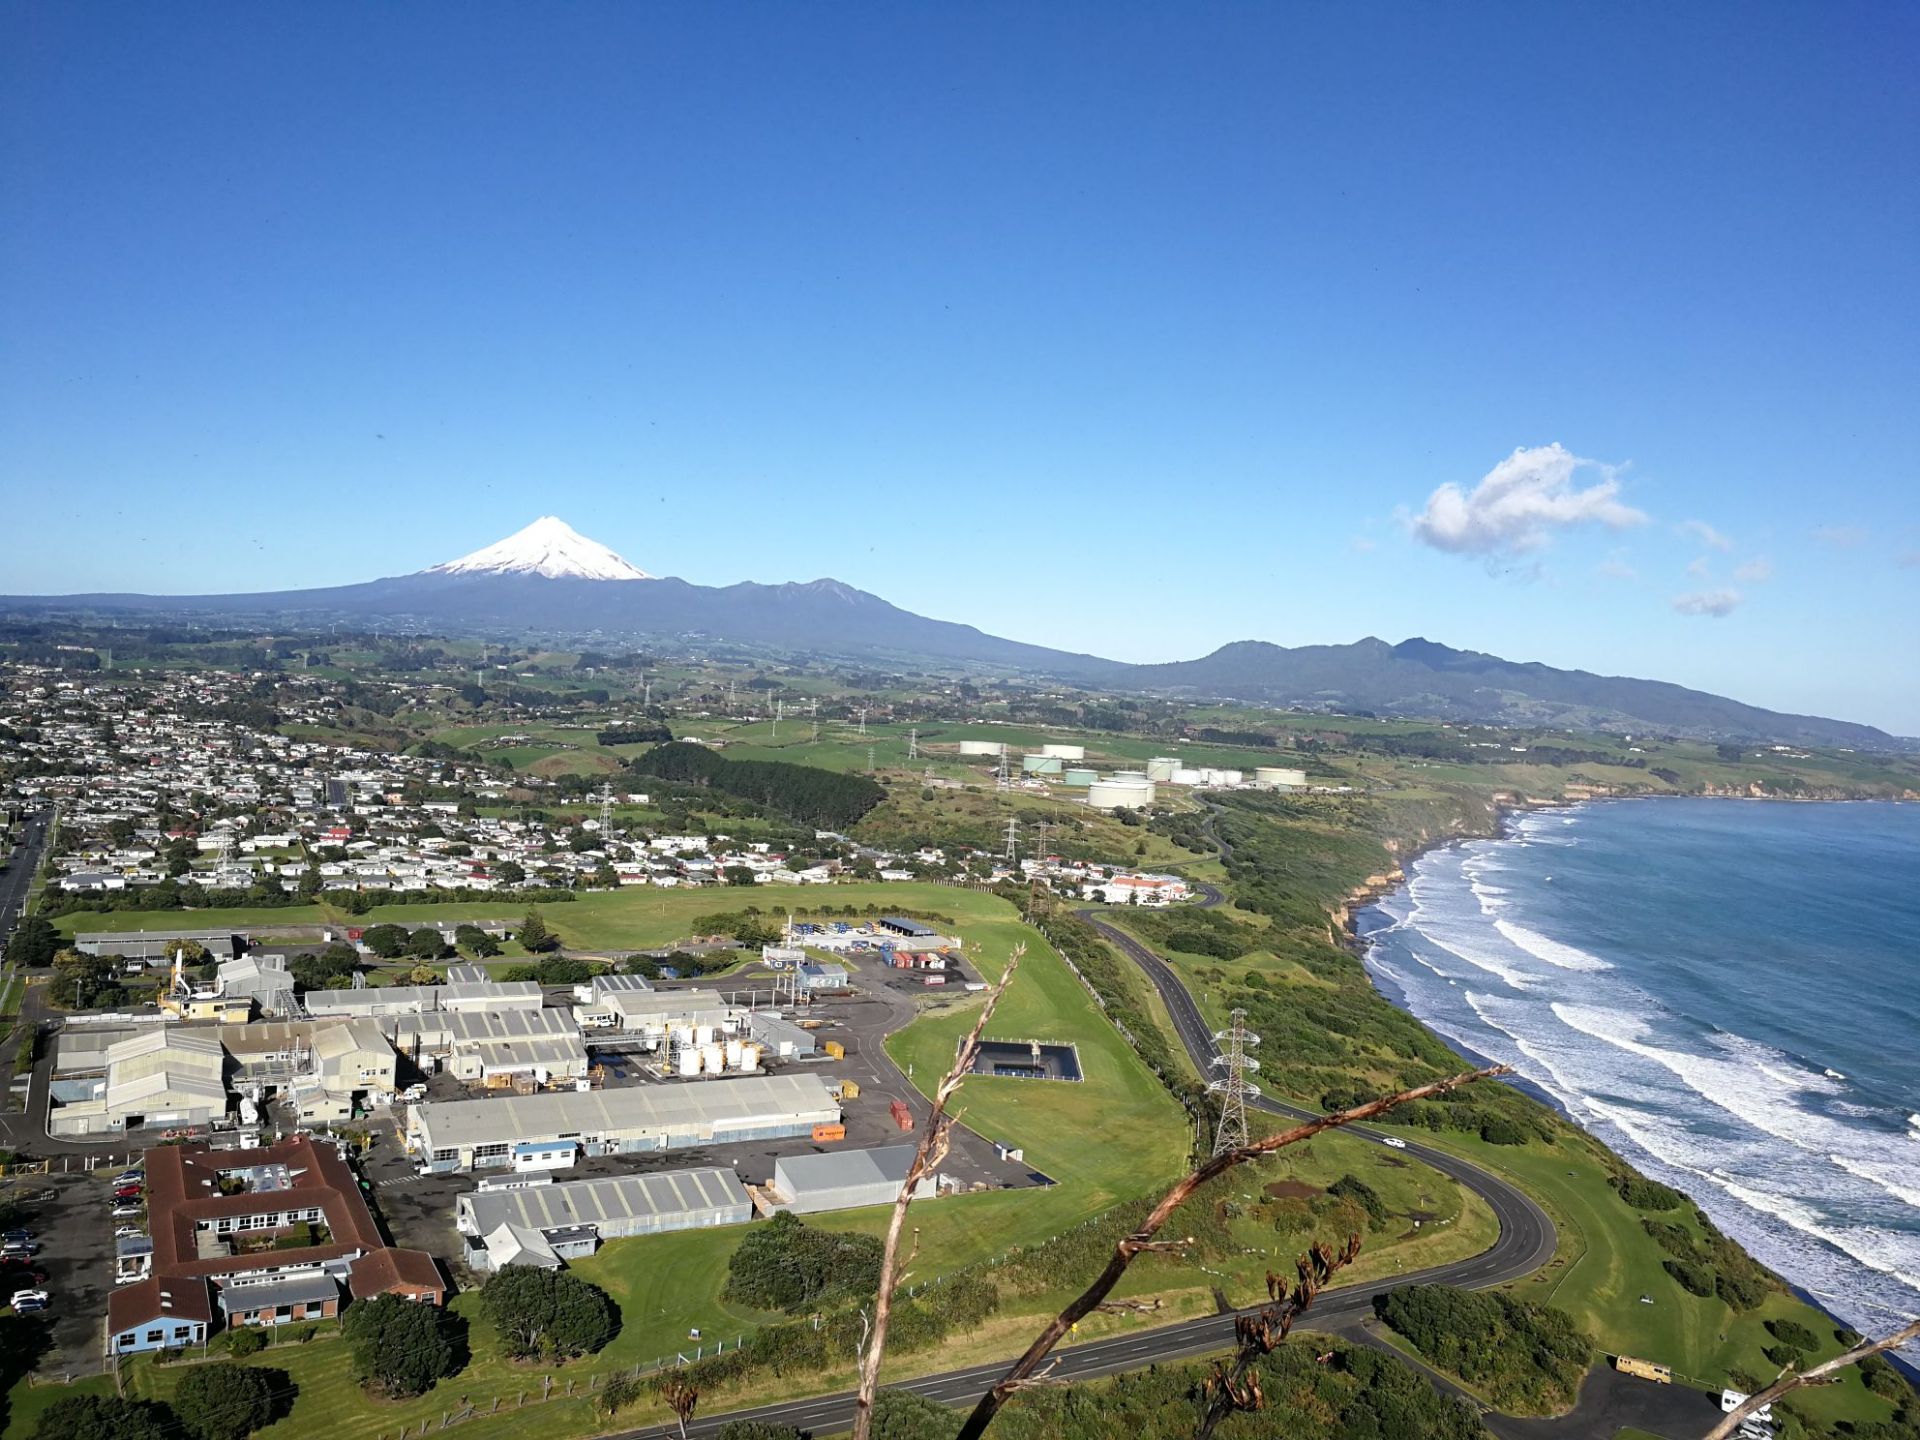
(902, 1116)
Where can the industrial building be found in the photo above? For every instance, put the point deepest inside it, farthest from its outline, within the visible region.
(652, 1015)
(154, 946)
(262, 980)
(164, 1076)
(581, 1213)
(780, 1037)
(845, 1179)
(477, 1134)
(390, 1002)
(496, 1047)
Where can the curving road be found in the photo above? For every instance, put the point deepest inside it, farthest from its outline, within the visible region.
(1526, 1243)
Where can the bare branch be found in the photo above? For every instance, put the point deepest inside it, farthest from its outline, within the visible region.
(1790, 1382)
(1142, 1239)
(935, 1141)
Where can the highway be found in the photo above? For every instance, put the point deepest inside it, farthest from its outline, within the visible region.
(1526, 1242)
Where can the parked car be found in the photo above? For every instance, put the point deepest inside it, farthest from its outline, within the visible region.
(11, 1251)
(129, 1192)
(125, 1209)
(29, 1307)
(122, 1232)
(17, 1271)
(20, 1297)
(16, 1237)
(131, 1177)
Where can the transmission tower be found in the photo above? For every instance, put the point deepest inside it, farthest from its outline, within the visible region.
(816, 734)
(869, 759)
(779, 709)
(646, 695)
(1233, 1088)
(606, 816)
(1001, 779)
(1013, 838)
(863, 721)
(913, 743)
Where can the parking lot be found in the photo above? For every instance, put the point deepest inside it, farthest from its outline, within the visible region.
(68, 1215)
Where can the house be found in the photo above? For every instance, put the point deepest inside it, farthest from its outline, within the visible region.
(158, 1314)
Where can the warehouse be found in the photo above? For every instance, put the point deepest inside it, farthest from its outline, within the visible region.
(611, 1208)
(846, 1179)
(163, 1076)
(474, 1134)
(780, 1037)
(154, 945)
(651, 1015)
(390, 1002)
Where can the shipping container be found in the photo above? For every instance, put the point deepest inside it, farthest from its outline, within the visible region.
(849, 1089)
(829, 1132)
(934, 980)
(835, 1050)
(902, 1116)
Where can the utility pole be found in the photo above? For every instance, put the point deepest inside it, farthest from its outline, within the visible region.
(913, 743)
(816, 734)
(779, 709)
(1233, 1088)
(1013, 838)
(863, 720)
(646, 694)
(869, 759)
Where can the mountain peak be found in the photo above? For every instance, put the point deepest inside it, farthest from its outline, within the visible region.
(548, 547)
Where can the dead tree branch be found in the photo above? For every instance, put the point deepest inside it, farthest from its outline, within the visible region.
(1819, 1375)
(1142, 1239)
(936, 1135)
(1237, 1386)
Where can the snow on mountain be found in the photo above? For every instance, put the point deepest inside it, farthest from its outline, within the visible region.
(549, 547)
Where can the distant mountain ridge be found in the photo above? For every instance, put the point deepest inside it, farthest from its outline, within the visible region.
(550, 579)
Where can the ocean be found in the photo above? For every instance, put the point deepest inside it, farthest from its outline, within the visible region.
(1726, 992)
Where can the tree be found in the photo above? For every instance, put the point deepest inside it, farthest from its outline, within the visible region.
(903, 1415)
(33, 943)
(386, 941)
(400, 1347)
(757, 1430)
(738, 875)
(510, 872)
(533, 934)
(103, 1417)
(787, 1265)
(224, 1401)
(553, 1314)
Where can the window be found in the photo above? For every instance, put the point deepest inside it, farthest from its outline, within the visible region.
(124, 1341)
(154, 1337)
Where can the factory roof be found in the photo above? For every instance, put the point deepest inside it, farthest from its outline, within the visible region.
(607, 1201)
(641, 1107)
(268, 1294)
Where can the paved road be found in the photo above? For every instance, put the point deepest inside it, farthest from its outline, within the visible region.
(17, 878)
(1526, 1242)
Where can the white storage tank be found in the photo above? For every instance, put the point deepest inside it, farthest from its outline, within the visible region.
(689, 1061)
(735, 1050)
(1185, 775)
(1119, 792)
(683, 1036)
(1161, 768)
(1279, 777)
(1220, 777)
(1065, 752)
(1080, 778)
(1040, 764)
(750, 1056)
(713, 1059)
(983, 747)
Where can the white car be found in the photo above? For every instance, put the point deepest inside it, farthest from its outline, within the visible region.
(28, 1297)
(127, 1232)
(1396, 1143)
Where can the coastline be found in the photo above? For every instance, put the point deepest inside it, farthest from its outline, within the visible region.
(1359, 942)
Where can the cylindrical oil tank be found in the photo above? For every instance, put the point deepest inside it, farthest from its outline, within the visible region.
(683, 1035)
(1040, 764)
(982, 747)
(1130, 775)
(703, 1035)
(1221, 777)
(734, 1051)
(1065, 752)
(1120, 793)
(1081, 778)
(1279, 777)
(1185, 775)
(713, 1059)
(1161, 768)
(749, 1056)
(690, 1061)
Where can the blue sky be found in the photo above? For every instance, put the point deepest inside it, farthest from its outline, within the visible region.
(1120, 328)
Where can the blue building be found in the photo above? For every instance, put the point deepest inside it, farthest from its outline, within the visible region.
(159, 1314)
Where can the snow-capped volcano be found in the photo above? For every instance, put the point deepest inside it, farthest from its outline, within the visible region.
(549, 547)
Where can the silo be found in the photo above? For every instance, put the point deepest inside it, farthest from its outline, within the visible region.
(690, 1060)
(735, 1050)
(1162, 767)
(1065, 752)
(1079, 778)
(1040, 764)
(1279, 777)
(750, 1056)
(713, 1059)
(1119, 793)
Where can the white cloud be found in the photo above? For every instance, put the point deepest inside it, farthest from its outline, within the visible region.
(1705, 534)
(1841, 537)
(1756, 571)
(1700, 568)
(1519, 503)
(1716, 603)
(1615, 567)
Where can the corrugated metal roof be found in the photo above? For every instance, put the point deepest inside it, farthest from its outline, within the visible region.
(839, 1169)
(772, 1098)
(608, 1201)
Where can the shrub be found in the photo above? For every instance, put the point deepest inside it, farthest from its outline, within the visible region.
(1792, 1332)
(103, 1417)
(1527, 1358)
(249, 1340)
(1351, 1187)
(399, 1348)
(224, 1401)
(1499, 1130)
(1782, 1356)
(786, 1265)
(1695, 1278)
(1644, 1194)
(549, 1313)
